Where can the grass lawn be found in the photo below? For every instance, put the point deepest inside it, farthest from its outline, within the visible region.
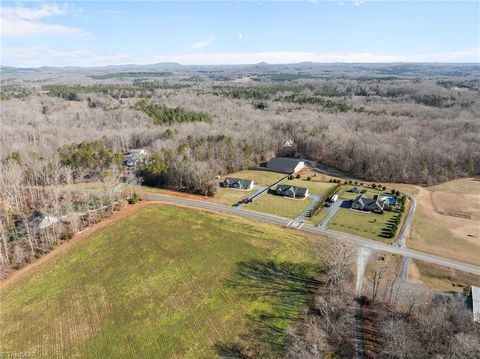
(166, 282)
(231, 196)
(279, 206)
(314, 186)
(363, 224)
(265, 178)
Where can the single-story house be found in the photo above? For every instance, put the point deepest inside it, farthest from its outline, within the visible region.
(285, 165)
(368, 204)
(238, 183)
(291, 191)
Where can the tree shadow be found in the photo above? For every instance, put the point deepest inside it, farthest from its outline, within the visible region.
(286, 288)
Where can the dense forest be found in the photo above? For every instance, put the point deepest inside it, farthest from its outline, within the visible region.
(384, 123)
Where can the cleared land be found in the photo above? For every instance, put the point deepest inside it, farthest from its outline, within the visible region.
(446, 235)
(441, 278)
(167, 281)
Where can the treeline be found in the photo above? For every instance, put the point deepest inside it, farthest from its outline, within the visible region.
(192, 165)
(392, 319)
(41, 206)
(162, 114)
(89, 159)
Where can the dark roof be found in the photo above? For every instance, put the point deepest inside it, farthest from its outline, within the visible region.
(294, 190)
(286, 165)
(244, 183)
(369, 202)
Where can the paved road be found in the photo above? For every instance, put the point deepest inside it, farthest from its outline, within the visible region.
(334, 207)
(373, 245)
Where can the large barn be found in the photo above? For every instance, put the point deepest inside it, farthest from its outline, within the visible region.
(285, 165)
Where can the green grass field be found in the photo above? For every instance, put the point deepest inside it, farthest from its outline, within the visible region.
(165, 282)
(278, 205)
(363, 224)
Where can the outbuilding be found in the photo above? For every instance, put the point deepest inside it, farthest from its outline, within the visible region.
(285, 165)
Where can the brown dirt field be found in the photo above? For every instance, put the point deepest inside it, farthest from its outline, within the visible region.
(443, 235)
(414, 275)
(456, 205)
(67, 245)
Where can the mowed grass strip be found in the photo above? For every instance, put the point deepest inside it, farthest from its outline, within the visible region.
(166, 282)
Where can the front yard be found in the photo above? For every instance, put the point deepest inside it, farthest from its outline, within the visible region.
(364, 224)
(278, 205)
(231, 196)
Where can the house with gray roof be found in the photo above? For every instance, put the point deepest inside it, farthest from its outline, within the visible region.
(291, 191)
(238, 183)
(368, 204)
(285, 165)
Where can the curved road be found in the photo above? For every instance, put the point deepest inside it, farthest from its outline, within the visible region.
(362, 242)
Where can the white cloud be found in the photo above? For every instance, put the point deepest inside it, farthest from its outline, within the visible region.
(240, 35)
(40, 56)
(23, 21)
(203, 43)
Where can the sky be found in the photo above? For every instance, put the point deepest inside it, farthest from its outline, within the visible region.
(98, 33)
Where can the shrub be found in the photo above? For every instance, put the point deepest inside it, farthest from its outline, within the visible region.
(309, 178)
(392, 191)
(134, 198)
(290, 177)
(298, 176)
(397, 193)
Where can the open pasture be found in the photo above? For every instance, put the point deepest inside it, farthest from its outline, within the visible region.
(165, 282)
